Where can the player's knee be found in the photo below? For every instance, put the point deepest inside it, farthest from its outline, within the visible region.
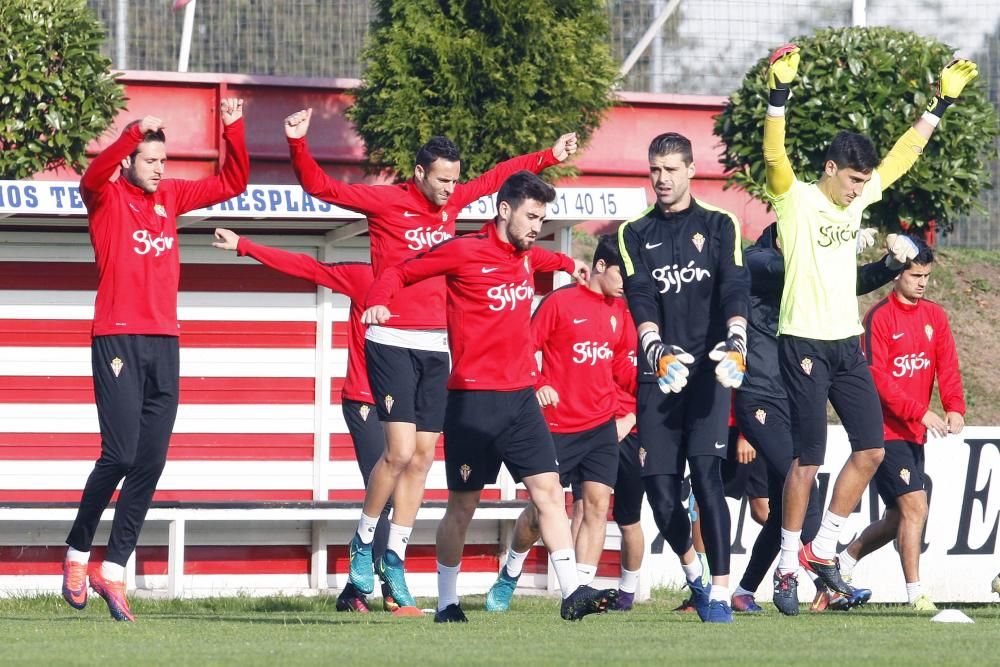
(759, 512)
(397, 459)
(912, 506)
(869, 459)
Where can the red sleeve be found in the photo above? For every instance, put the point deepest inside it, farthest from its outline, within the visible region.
(229, 182)
(543, 325)
(106, 164)
(623, 363)
(948, 376)
(361, 197)
(352, 279)
(438, 261)
(490, 182)
(891, 391)
(546, 260)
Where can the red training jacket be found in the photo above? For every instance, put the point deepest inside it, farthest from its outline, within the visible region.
(626, 367)
(906, 346)
(403, 223)
(134, 234)
(490, 288)
(352, 279)
(580, 333)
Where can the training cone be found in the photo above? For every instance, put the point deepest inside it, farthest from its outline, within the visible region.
(951, 616)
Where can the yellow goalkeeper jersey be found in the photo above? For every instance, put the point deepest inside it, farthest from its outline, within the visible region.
(818, 239)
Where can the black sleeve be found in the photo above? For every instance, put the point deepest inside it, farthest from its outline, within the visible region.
(873, 275)
(734, 284)
(639, 289)
(767, 271)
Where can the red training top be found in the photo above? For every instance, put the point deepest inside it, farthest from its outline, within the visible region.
(402, 223)
(906, 346)
(490, 288)
(626, 367)
(134, 234)
(352, 279)
(580, 333)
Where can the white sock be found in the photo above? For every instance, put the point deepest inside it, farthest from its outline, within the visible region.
(742, 591)
(398, 538)
(847, 563)
(112, 571)
(788, 561)
(366, 528)
(719, 593)
(825, 544)
(912, 591)
(693, 570)
(629, 582)
(515, 562)
(447, 585)
(77, 556)
(585, 573)
(564, 563)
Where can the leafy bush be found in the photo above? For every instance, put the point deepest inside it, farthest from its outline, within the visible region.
(498, 77)
(876, 81)
(55, 88)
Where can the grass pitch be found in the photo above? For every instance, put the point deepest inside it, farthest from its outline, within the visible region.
(307, 631)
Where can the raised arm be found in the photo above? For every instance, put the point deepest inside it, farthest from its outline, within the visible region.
(357, 196)
(235, 173)
(106, 164)
(908, 147)
(438, 261)
(780, 74)
(490, 181)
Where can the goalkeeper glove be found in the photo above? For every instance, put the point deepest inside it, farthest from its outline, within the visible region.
(901, 249)
(784, 63)
(954, 77)
(866, 239)
(669, 362)
(732, 357)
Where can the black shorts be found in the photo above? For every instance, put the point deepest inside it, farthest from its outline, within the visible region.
(588, 456)
(901, 471)
(678, 426)
(743, 479)
(764, 422)
(629, 489)
(483, 429)
(817, 370)
(408, 385)
(367, 434)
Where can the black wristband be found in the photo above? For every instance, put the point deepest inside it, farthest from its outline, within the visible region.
(777, 97)
(938, 105)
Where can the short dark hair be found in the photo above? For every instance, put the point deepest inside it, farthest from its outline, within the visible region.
(852, 151)
(152, 135)
(525, 185)
(671, 142)
(437, 148)
(924, 256)
(607, 249)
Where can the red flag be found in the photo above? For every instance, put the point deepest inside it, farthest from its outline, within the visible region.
(180, 3)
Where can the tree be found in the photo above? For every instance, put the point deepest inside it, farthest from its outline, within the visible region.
(875, 81)
(498, 77)
(55, 88)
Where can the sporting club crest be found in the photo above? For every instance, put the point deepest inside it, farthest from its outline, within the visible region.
(159, 210)
(465, 471)
(444, 216)
(116, 366)
(388, 402)
(929, 330)
(614, 323)
(698, 240)
(807, 365)
(363, 411)
(904, 475)
(760, 415)
(642, 457)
